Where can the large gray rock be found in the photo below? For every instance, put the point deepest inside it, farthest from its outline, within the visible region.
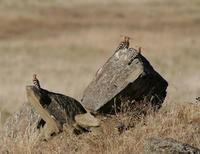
(126, 74)
(168, 146)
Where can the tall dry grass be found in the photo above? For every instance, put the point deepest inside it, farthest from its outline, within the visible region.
(175, 120)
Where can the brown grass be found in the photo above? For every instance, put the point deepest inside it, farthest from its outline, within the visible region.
(180, 123)
(65, 43)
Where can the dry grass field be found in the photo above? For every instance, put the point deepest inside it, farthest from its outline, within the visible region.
(65, 42)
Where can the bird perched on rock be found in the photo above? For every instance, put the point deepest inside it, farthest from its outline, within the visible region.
(36, 81)
(124, 44)
(140, 49)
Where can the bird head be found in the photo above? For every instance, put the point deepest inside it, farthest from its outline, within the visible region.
(140, 49)
(34, 76)
(126, 38)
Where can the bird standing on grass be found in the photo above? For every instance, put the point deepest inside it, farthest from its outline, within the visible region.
(124, 44)
(36, 81)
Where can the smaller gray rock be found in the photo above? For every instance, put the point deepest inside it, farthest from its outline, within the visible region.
(55, 109)
(168, 146)
(87, 120)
